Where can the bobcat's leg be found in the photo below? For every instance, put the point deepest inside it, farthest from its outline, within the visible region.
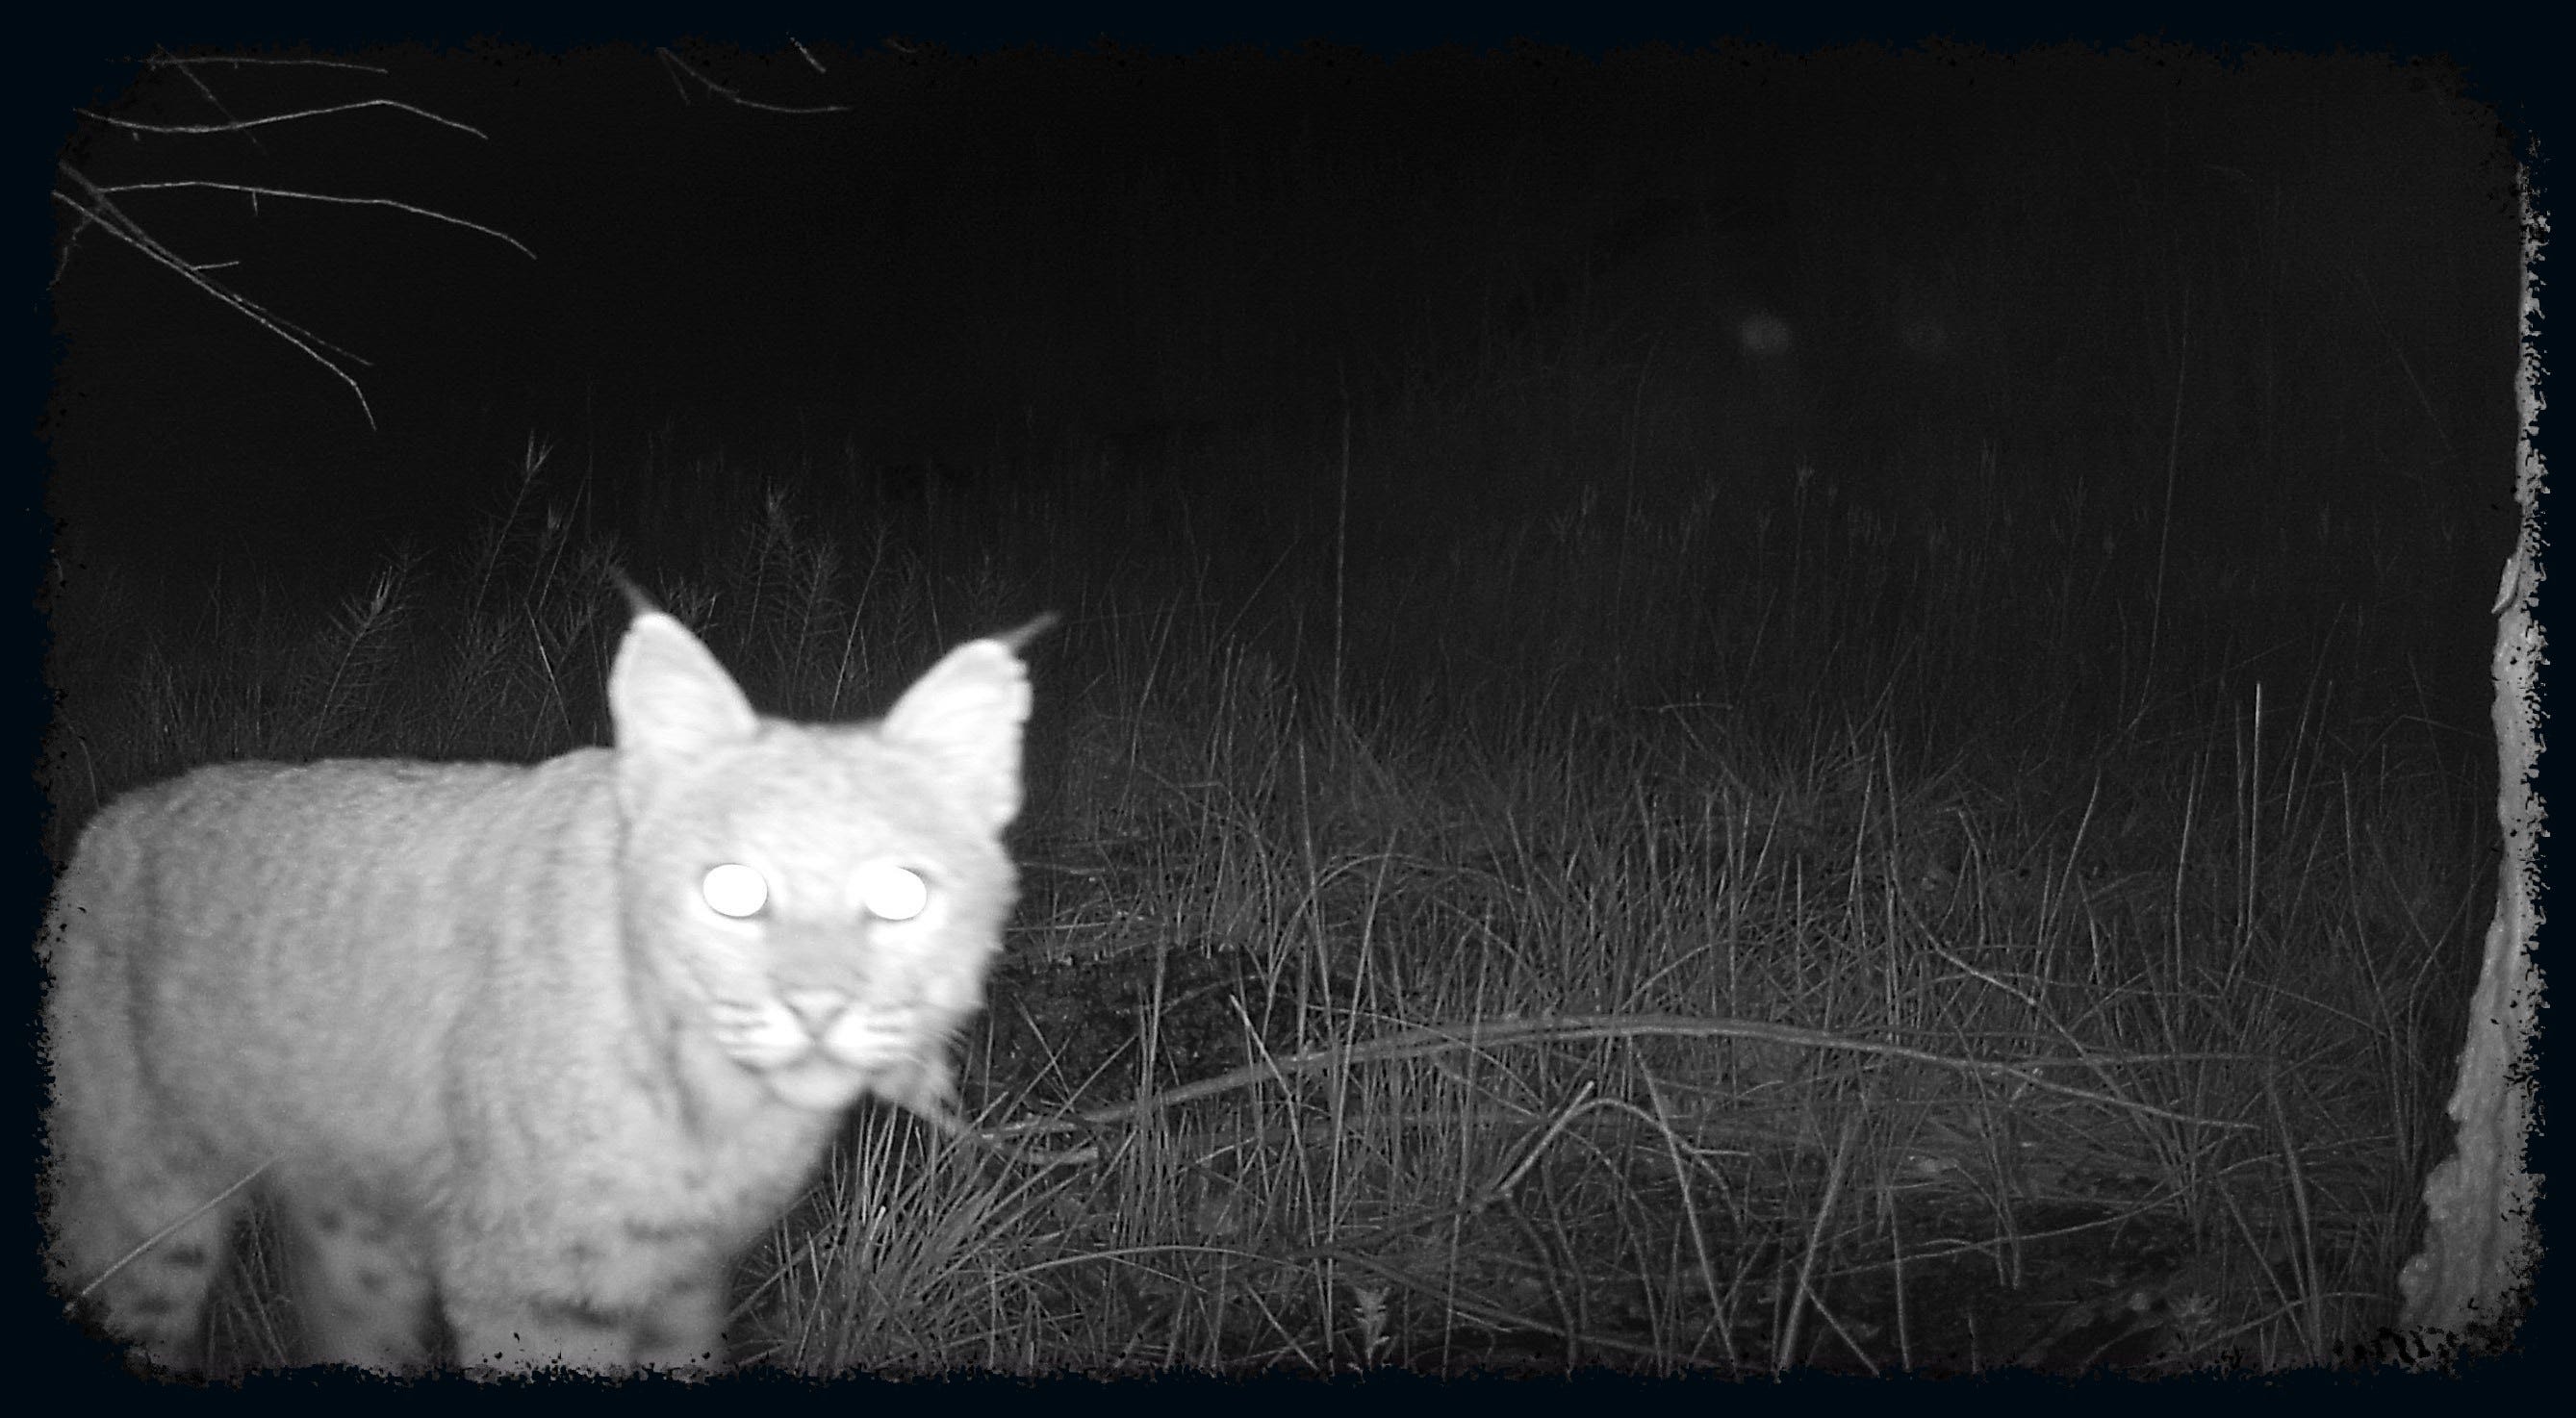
(140, 1229)
(361, 1290)
(684, 1333)
(680, 1333)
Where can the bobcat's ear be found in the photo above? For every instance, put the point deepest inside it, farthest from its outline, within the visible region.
(966, 715)
(668, 695)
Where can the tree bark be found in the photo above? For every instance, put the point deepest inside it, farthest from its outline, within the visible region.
(2468, 1289)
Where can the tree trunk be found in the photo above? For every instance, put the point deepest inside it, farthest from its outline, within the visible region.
(2470, 1286)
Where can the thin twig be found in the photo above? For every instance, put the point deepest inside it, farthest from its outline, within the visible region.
(235, 125)
(250, 190)
(1433, 1039)
(125, 229)
(679, 66)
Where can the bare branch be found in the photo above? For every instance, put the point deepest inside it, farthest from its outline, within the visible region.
(241, 124)
(165, 59)
(679, 66)
(99, 207)
(106, 215)
(205, 91)
(675, 69)
(258, 192)
(816, 64)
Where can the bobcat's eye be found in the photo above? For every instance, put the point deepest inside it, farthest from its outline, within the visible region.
(891, 893)
(735, 890)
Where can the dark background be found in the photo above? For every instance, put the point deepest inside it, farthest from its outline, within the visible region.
(2089, 370)
(2291, 280)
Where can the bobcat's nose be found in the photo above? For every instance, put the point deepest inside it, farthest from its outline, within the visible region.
(815, 1009)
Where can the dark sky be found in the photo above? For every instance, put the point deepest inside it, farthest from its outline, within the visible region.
(1017, 258)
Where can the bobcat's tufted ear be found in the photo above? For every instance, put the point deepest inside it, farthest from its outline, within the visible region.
(668, 695)
(966, 716)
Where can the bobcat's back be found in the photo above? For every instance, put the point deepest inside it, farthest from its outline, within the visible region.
(538, 1048)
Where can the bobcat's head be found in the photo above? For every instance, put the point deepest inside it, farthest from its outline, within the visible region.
(831, 895)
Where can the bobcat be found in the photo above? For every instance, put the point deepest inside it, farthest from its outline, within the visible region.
(538, 1048)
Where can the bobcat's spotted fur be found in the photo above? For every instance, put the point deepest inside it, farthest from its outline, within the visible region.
(524, 1047)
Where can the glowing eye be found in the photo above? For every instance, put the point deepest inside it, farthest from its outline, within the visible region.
(892, 893)
(735, 890)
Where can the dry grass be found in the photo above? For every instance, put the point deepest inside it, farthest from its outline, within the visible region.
(1669, 949)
